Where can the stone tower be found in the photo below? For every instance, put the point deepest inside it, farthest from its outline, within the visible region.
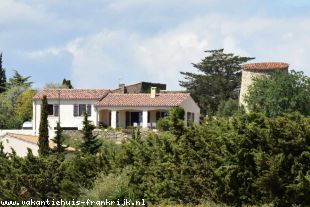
(256, 70)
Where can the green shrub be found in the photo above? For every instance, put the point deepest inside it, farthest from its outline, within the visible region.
(111, 187)
(246, 160)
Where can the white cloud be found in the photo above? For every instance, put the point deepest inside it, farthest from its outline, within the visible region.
(12, 11)
(121, 5)
(98, 60)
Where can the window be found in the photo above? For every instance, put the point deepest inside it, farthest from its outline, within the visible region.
(50, 109)
(53, 109)
(79, 109)
(82, 109)
(56, 110)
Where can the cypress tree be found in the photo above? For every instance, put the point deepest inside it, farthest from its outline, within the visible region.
(43, 129)
(58, 140)
(91, 144)
(2, 76)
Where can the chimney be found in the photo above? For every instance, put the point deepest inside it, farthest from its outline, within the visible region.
(153, 92)
(122, 87)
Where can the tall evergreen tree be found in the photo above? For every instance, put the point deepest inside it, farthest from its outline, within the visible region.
(43, 129)
(90, 143)
(67, 83)
(2, 76)
(218, 80)
(59, 140)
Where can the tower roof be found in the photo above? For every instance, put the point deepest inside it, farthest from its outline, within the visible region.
(266, 66)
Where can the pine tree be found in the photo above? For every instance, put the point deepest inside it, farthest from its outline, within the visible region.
(218, 80)
(2, 76)
(43, 129)
(59, 140)
(91, 144)
(19, 80)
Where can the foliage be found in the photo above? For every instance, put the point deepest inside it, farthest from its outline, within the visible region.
(39, 178)
(8, 117)
(54, 86)
(19, 80)
(59, 141)
(228, 108)
(2, 76)
(111, 187)
(218, 80)
(153, 170)
(15, 106)
(24, 105)
(163, 124)
(280, 93)
(90, 143)
(174, 122)
(67, 83)
(136, 134)
(43, 129)
(248, 159)
(72, 141)
(13, 122)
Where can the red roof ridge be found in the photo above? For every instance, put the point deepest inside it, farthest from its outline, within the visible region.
(143, 99)
(71, 94)
(72, 89)
(265, 66)
(148, 94)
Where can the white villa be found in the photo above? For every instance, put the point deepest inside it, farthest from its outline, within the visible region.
(108, 108)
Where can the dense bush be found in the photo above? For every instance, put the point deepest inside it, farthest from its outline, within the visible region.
(280, 93)
(248, 159)
(40, 178)
(174, 122)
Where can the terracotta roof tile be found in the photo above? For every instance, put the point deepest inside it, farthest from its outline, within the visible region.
(138, 100)
(69, 94)
(265, 66)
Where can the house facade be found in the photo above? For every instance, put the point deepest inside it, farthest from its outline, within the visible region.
(106, 108)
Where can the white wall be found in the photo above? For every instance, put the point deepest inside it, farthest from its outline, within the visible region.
(189, 105)
(20, 146)
(66, 114)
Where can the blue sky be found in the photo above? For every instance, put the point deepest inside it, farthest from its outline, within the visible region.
(100, 43)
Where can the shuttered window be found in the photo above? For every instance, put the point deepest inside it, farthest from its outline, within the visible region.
(76, 110)
(53, 109)
(82, 109)
(79, 109)
(56, 110)
(88, 110)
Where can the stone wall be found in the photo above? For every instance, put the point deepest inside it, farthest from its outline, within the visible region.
(117, 136)
(248, 77)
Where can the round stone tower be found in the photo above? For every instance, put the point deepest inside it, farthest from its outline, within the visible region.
(256, 70)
